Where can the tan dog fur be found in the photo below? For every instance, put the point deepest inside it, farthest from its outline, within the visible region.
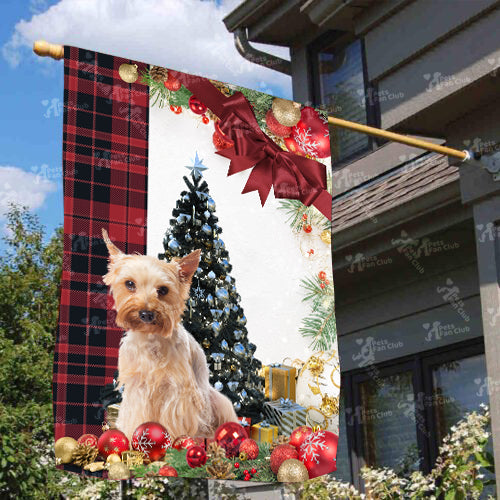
(162, 367)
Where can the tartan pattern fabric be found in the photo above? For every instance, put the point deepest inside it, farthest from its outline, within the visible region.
(105, 163)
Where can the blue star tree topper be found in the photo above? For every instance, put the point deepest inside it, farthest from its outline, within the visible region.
(197, 167)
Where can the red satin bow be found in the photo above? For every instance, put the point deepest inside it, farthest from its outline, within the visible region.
(291, 176)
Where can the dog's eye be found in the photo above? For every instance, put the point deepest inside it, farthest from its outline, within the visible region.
(130, 285)
(163, 290)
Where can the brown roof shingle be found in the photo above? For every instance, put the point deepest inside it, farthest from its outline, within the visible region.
(403, 184)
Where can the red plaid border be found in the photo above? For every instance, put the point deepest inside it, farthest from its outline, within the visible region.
(105, 162)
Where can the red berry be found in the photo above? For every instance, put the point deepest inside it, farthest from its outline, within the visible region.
(176, 109)
(322, 285)
(322, 275)
(327, 282)
(237, 465)
(246, 478)
(304, 217)
(205, 119)
(253, 471)
(245, 472)
(307, 228)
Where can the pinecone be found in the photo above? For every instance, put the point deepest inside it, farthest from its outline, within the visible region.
(222, 87)
(84, 454)
(220, 469)
(278, 441)
(158, 74)
(214, 451)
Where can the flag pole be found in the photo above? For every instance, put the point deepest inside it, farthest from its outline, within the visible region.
(56, 51)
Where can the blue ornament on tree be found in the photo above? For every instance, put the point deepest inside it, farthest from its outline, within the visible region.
(222, 294)
(174, 246)
(206, 229)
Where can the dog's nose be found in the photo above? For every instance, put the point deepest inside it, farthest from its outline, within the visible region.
(146, 316)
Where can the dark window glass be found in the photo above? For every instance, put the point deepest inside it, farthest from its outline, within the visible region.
(388, 422)
(459, 387)
(342, 91)
(343, 472)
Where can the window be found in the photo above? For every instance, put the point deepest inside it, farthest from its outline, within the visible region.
(397, 413)
(339, 85)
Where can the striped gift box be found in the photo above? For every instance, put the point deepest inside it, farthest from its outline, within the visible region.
(286, 414)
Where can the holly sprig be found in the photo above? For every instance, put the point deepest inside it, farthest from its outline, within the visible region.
(295, 210)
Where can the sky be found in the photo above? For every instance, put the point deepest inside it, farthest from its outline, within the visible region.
(186, 35)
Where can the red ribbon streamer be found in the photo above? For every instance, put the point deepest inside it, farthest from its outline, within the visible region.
(291, 176)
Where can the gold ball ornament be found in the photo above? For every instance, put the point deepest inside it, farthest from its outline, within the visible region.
(113, 459)
(128, 72)
(118, 470)
(292, 471)
(64, 449)
(286, 112)
(326, 237)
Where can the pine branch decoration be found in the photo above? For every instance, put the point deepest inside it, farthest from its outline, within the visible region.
(295, 210)
(319, 325)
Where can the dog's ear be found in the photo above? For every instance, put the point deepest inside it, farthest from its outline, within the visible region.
(188, 265)
(114, 252)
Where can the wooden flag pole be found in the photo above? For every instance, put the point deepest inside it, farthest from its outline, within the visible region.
(45, 49)
(392, 136)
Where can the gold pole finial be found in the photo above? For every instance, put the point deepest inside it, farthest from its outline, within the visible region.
(43, 48)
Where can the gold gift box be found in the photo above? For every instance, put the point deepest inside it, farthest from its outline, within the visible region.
(112, 415)
(264, 434)
(279, 381)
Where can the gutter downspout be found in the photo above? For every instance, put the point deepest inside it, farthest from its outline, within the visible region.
(257, 56)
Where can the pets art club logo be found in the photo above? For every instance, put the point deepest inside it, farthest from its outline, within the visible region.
(360, 262)
(486, 386)
(487, 232)
(437, 330)
(416, 248)
(346, 179)
(361, 414)
(369, 348)
(438, 81)
(450, 293)
(373, 96)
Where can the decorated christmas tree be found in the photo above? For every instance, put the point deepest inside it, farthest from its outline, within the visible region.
(213, 314)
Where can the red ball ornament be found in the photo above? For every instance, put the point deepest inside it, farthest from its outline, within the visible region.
(319, 453)
(167, 470)
(89, 440)
(196, 456)
(183, 443)
(322, 285)
(275, 126)
(292, 146)
(281, 453)
(230, 436)
(237, 465)
(176, 109)
(307, 228)
(221, 141)
(152, 439)
(112, 441)
(311, 134)
(250, 447)
(205, 119)
(196, 106)
(298, 436)
(322, 275)
(253, 471)
(171, 83)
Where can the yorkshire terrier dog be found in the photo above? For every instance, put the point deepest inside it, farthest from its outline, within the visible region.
(161, 366)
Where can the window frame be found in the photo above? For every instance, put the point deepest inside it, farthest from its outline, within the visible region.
(338, 39)
(420, 364)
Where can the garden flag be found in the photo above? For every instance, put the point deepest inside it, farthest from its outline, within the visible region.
(197, 332)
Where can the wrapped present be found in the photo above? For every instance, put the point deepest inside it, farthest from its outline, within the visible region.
(246, 423)
(280, 381)
(286, 414)
(264, 432)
